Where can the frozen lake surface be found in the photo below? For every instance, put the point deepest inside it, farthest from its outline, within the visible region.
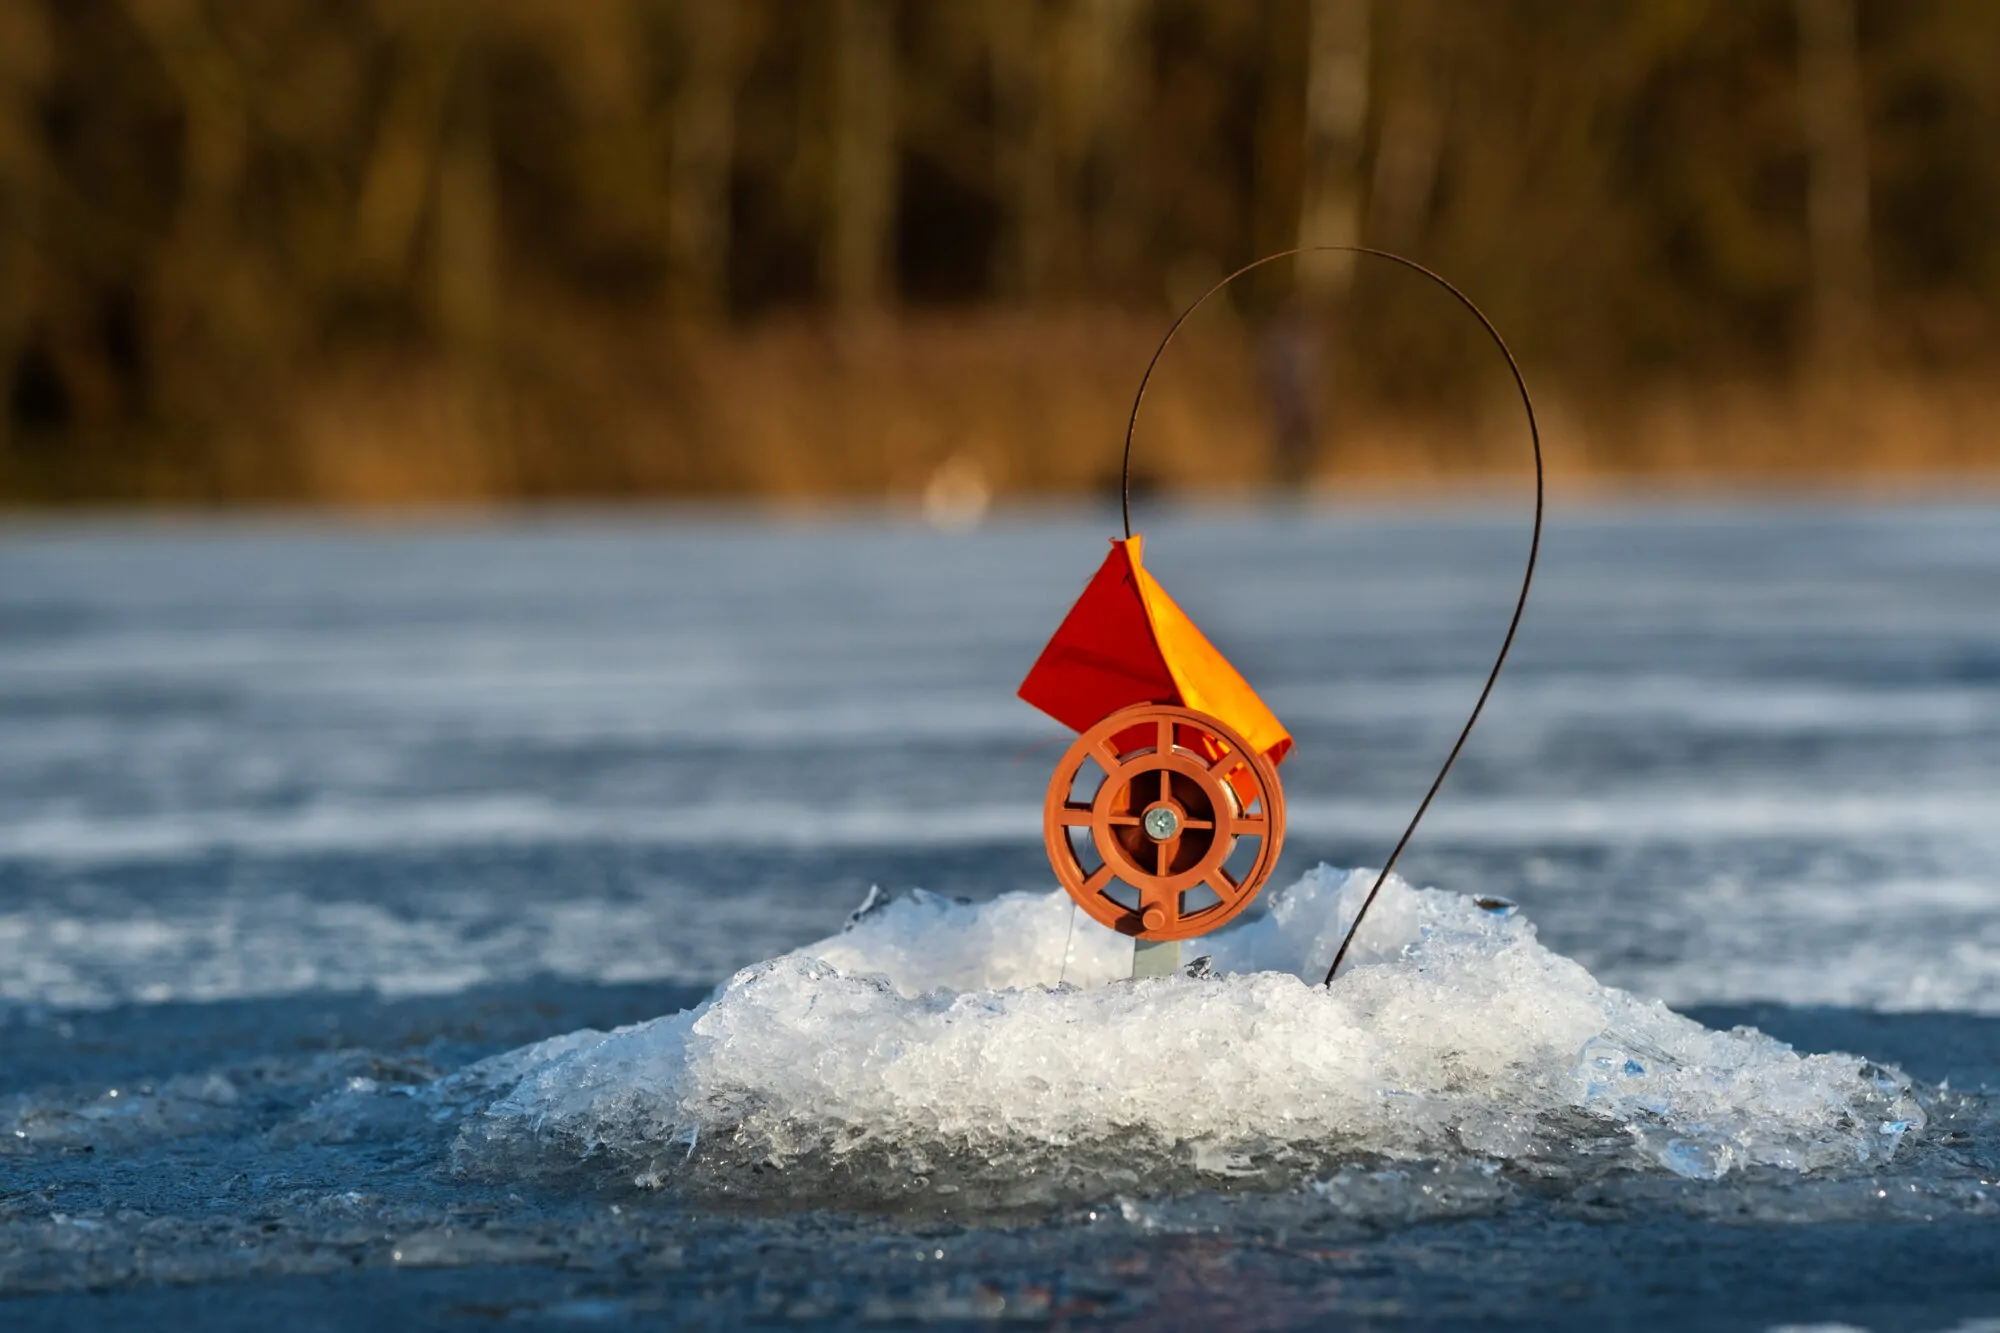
(323, 848)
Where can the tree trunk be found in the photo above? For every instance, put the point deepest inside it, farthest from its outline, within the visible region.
(1103, 66)
(704, 132)
(863, 160)
(1412, 131)
(467, 213)
(1025, 148)
(1836, 137)
(1065, 121)
(24, 58)
(215, 127)
(1336, 122)
(389, 209)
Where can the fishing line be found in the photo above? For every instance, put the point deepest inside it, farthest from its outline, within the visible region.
(1527, 577)
(1062, 974)
(1021, 756)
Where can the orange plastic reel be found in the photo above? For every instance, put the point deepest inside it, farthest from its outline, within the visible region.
(1180, 790)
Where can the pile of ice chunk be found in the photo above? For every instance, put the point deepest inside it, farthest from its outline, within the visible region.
(935, 1045)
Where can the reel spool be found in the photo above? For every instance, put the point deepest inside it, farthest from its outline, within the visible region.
(1181, 790)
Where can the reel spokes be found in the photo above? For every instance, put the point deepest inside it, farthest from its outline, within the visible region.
(1149, 849)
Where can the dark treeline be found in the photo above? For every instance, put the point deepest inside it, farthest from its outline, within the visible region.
(389, 248)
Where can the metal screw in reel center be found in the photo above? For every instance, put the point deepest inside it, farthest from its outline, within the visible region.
(1161, 823)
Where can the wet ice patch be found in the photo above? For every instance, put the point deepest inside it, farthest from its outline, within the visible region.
(935, 1046)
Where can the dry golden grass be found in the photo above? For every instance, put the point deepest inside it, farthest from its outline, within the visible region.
(797, 411)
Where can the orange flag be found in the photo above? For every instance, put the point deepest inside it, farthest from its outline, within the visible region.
(1125, 643)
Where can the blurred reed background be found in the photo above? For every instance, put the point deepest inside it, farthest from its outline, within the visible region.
(392, 251)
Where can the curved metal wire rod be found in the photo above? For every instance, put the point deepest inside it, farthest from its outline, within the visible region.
(1534, 543)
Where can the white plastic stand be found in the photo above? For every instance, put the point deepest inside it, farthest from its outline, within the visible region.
(1155, 958)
